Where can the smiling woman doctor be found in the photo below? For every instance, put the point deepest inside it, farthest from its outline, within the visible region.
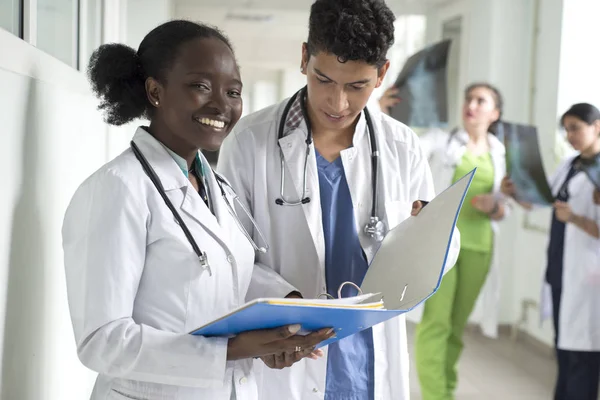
(153, 248)
(326, 179)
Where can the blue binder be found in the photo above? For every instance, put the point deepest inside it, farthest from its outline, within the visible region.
(394, 273)
(261, 314)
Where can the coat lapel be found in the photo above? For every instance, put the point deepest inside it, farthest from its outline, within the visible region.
(293, 147)
(217, 224)
(180, 191)
(357, 168)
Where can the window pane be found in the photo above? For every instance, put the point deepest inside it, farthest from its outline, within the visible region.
(57, 25)
(10, 16)
(90, 30)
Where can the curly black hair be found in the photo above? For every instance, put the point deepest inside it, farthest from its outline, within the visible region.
(353, 30)
(118, 73)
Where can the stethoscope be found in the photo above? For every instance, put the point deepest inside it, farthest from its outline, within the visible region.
(375, 228)
(221, 182)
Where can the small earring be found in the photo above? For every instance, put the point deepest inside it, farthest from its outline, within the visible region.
(156, 102)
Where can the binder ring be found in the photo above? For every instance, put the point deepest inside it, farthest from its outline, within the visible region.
(326, 295)
(348, 283)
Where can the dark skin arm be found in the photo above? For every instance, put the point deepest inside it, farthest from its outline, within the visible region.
(268, 342)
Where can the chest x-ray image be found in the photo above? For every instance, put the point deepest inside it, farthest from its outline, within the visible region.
(422, 88)
(524, 162)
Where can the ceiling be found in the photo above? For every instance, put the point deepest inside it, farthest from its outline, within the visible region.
(268, 34)
(398, 6)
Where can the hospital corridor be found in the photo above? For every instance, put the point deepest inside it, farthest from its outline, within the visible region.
(299, 200)
(500, 369)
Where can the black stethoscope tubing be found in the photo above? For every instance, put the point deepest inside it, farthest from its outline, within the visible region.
(309, 140)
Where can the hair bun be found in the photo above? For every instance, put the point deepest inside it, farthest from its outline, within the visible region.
(117, 78)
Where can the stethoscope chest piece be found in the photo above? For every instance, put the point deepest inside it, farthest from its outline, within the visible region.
(376, 229)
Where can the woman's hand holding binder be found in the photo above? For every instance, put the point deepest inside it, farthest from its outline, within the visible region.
(279, 347)
(284, 360)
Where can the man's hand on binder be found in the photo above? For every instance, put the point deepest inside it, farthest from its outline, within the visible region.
(279, 347)
(417, 206)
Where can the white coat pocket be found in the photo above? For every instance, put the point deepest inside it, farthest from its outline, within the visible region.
(119, 394)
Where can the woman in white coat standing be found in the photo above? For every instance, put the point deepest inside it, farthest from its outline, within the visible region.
(152, 248)
(572, 277)
(451, 155)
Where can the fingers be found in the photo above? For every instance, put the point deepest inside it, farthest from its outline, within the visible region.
(417, 206)
(284, 359)
(277, 334)
(313, 339)
(316, 354)
(300, 343)
(269, 361)
(297, 343)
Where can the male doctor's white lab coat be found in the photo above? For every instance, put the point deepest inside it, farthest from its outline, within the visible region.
(136, 288)
(250, 159)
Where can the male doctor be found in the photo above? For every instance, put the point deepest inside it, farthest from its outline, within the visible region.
(304, 168)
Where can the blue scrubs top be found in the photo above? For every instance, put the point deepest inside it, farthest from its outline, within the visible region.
(350, 363)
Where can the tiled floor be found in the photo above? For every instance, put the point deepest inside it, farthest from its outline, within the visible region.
(497, 369)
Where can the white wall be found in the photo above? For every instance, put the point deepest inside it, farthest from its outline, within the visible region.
(51, 142)
(139, 18)
(580, 58)
(498, 46)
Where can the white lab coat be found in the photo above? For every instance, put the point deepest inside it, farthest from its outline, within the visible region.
(136, 288)
(250, 158)
(579, 315)
(444, 153)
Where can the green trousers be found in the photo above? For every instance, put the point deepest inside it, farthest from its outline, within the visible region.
(439, 336)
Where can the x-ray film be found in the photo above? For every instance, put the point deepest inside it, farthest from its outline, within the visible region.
(422, 88)
(524, 163)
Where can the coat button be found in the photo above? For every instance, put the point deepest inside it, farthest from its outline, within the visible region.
(230, 259)
(243, 380)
